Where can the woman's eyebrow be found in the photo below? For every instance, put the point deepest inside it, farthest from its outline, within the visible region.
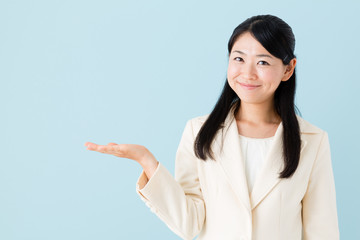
(259, 55)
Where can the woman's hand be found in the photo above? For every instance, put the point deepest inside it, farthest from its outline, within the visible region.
(135, 152)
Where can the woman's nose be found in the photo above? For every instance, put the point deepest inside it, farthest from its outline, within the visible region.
(248, 71)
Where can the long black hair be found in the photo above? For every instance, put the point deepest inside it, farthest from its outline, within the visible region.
(277, 38)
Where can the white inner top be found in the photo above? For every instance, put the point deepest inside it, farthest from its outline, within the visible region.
(254, 151)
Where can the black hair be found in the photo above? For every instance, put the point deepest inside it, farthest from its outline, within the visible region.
(277, 38)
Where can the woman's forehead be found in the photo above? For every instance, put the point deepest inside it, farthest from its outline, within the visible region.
(246, 44)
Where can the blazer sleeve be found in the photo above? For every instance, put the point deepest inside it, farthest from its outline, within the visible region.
(177, 201)
(319, 212)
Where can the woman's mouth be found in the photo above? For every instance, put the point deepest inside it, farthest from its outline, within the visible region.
(249, 86)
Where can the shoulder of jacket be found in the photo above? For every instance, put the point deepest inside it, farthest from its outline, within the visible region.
(306, 127)
(196, 123)
(200, 119)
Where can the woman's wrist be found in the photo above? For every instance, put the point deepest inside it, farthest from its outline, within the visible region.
(149, 164)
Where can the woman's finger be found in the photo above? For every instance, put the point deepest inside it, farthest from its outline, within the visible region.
(111, 144)
(131, 151)
(91, 146)
(111, 148)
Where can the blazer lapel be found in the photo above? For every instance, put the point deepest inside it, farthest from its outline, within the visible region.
(228, 155)
(268, 176)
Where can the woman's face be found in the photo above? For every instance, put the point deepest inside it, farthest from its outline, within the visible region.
(253, 73)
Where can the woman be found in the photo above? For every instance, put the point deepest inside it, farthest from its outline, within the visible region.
(252, 169)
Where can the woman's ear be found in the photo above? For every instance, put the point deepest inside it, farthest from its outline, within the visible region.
(289, 70)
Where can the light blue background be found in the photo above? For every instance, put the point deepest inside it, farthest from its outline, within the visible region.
(134, 72)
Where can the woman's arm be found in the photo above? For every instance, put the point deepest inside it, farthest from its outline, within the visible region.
(319, 212)
(177, 201)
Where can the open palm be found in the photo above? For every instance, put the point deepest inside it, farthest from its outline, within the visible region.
(131, 151)
(135, 152)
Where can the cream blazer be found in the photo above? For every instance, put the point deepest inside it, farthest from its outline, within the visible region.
(210, 199)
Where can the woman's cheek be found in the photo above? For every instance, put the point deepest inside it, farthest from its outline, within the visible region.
(232, 72)
(267, 76)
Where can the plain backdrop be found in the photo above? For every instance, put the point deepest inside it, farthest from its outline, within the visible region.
(73, 71)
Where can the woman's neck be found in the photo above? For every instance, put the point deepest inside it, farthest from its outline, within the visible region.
(257, 120)
(257, 114)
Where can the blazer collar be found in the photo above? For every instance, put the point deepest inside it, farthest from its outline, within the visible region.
(228, 155)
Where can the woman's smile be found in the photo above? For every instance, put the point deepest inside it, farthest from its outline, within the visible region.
(249, 86)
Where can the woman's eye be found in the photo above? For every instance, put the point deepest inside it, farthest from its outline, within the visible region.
(263, 63)
(238, 59)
